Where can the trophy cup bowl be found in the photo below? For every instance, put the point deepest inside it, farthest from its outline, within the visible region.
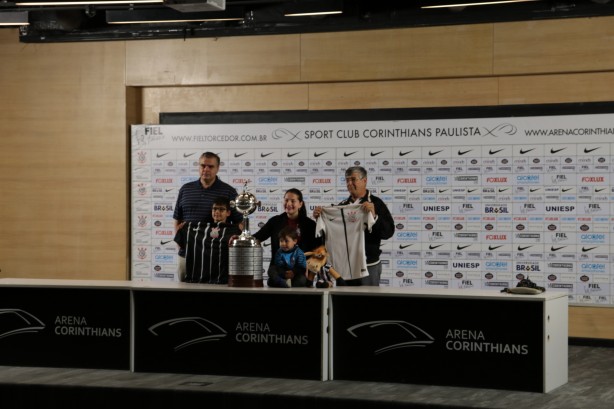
(246, 203)
(244, 251)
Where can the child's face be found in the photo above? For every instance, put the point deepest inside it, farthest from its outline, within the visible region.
(287, 243)
(220, 213)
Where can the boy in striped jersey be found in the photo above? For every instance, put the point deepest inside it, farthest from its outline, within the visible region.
(206, 245)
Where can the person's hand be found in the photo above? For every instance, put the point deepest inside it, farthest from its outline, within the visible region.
(289, 274)
(317, 211)
(369, 207)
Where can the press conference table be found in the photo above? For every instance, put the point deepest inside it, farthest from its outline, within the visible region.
(473, 338)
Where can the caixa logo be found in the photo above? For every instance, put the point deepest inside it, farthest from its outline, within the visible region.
(406, 263)
(267, 181)
(164, 259)
(407, 235)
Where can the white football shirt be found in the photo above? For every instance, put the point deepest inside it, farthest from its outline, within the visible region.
(344, 228)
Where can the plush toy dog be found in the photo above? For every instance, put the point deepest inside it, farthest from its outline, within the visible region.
(317, 266)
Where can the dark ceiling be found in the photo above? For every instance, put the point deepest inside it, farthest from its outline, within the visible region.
(89, 22)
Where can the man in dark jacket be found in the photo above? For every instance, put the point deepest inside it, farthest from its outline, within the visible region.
(356, 182)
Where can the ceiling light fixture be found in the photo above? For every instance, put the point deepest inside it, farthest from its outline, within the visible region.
(482, 3)
(14, 18)
(313, 8)
(84, 2)
(196, 6)
(171, 16)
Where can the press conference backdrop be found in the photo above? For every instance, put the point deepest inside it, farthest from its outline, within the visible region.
(477, 202)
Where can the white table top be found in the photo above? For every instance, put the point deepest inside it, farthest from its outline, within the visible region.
(176, 286)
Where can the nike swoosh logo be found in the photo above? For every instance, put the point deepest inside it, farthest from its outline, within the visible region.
(385, 190)
(327, 190)
(161, 155)
(503, 190)
(273, 190)
(520, 248)
(463, 152)
(431, 247)
(568, 189)
(413, 191)
(165, 242)
(556, 248)
(586, 150)
(315, 154)
(443, 190)
(404, 246)
(599, 190)
(471, 190)
(462, 247)
(376, 153)
(264, 155)
(187, 155)
(404, 153)
(534, 190)
(238, 155)
(491, 248)
(266, 244)
(584, 250)
(169, 190)
(292, 154)
(522, 151)
(553, 151)
(491, 152)
(434, 153)
(348, 154)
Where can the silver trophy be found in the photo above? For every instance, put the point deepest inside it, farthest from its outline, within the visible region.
(244, 251)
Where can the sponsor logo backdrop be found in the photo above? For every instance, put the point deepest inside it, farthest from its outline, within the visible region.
(478, 202)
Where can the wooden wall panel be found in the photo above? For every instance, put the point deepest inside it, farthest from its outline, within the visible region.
(62, 160)
(223, 98)
(554, 46)
(591, 322)
(404, 94)
(64, 111)
(557, 88)
(226, 60)
(427, 52)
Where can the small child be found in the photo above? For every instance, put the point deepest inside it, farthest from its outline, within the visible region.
(290, 262)
(206, 245)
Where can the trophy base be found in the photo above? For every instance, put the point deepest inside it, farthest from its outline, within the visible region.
(244, 281)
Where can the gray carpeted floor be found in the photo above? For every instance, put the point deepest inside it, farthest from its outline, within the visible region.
(591, 385)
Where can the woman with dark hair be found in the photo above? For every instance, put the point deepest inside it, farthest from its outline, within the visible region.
(294, 216)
